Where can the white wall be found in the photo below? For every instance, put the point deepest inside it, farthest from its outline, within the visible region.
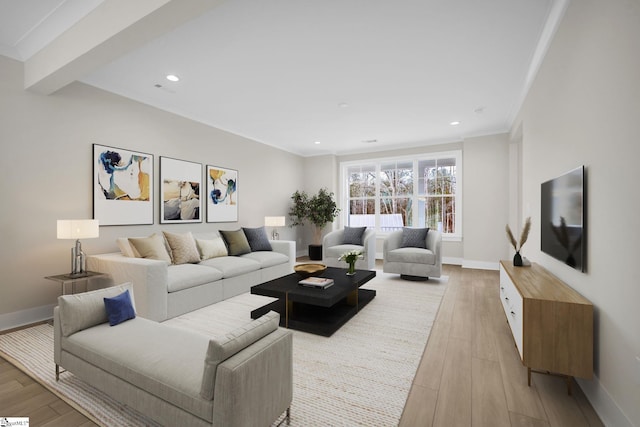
(584, 109)
(485, 195)
(486, 200)
(46, 174)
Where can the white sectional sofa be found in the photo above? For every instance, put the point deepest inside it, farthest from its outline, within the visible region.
(175, 376)
(165, 290)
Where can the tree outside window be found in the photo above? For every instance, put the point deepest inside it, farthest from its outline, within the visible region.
(383, 194)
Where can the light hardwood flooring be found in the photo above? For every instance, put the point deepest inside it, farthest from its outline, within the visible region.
(21, 396)
(470, 373)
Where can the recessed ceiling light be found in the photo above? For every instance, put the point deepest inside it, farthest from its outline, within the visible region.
(454, 123)
(316, 142)
(343, 105)
(173, 78)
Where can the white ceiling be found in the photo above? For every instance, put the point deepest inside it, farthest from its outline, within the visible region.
(289, 73)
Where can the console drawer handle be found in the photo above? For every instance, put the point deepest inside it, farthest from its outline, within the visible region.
(506, 298)
(513, 314)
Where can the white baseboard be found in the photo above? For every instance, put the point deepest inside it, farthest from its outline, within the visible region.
(609, 412)
(481, 265)
(29, 316)
(452, 260)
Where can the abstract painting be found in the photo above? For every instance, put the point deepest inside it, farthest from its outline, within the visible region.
(180, 183)
(222, 194)
(122, 186)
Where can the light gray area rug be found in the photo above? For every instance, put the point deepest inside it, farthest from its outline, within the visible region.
(360, 376)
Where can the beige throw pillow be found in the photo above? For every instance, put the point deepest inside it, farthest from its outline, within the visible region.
(127, 248)
(183, 247)
(151, 247)
(211, 248)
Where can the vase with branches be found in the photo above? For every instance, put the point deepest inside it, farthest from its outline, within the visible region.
(517, 245)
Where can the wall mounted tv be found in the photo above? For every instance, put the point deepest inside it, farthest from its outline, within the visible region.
(562, 227)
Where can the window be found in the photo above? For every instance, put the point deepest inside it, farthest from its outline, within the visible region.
(388, 194)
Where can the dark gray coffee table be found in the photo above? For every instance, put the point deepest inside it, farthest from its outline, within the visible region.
(318, 311)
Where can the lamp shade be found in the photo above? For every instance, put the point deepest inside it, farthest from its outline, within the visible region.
(274, 221)
(78, 228)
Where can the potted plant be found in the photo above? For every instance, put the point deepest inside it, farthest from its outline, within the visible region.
(319, 210)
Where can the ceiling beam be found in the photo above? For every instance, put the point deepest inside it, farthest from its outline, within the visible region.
(113, 29)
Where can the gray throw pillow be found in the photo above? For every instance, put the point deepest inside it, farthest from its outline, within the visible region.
(236, 242)
(353, 235)
(414, 237)
(257, 238)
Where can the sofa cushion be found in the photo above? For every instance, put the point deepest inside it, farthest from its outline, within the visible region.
(152, 247)
(236, 241)
(353, 235)
(414, 237)
(119, 308)
(163, 360)
(232, 266)
(85, 310)
(257, 238)
(267, 259)
(186, 276)
(411, 255)
(126, 248)
(211, 248)
(183, 247)
(222, 348)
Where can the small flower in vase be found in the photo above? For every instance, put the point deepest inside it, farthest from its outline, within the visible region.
(351, 257)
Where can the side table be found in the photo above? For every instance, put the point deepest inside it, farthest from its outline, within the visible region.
(63, 279)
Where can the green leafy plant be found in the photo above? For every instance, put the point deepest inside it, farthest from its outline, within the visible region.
(319, 210)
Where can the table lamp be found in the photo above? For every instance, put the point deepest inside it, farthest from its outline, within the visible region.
(78, 229)
(274, 221)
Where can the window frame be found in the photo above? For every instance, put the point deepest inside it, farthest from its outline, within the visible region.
(343, 190)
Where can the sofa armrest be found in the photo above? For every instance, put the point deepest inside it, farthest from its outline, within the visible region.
(434, 243)
(255, 385)
(369, 243)
(149, 278)
(285, 247)
(57, 336)
(332, 238)
(392, 241)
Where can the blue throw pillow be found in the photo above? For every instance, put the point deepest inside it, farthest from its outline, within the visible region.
(353, 236)
(414, 237)
(119, 308)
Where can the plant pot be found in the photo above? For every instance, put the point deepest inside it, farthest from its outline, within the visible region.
(315, 252)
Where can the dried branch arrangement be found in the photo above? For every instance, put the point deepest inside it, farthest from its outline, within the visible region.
(523, 236)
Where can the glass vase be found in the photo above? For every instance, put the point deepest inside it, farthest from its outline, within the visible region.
(352, 268)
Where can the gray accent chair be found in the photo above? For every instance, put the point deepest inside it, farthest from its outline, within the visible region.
(332, 248)
(413, 263)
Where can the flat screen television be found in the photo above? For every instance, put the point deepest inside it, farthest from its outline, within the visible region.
(562, 227)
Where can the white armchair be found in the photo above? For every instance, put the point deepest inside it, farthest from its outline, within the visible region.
(333, 246)
(413, 263)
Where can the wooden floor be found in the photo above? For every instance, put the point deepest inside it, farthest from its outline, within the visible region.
(470, 373)
(20, 396)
